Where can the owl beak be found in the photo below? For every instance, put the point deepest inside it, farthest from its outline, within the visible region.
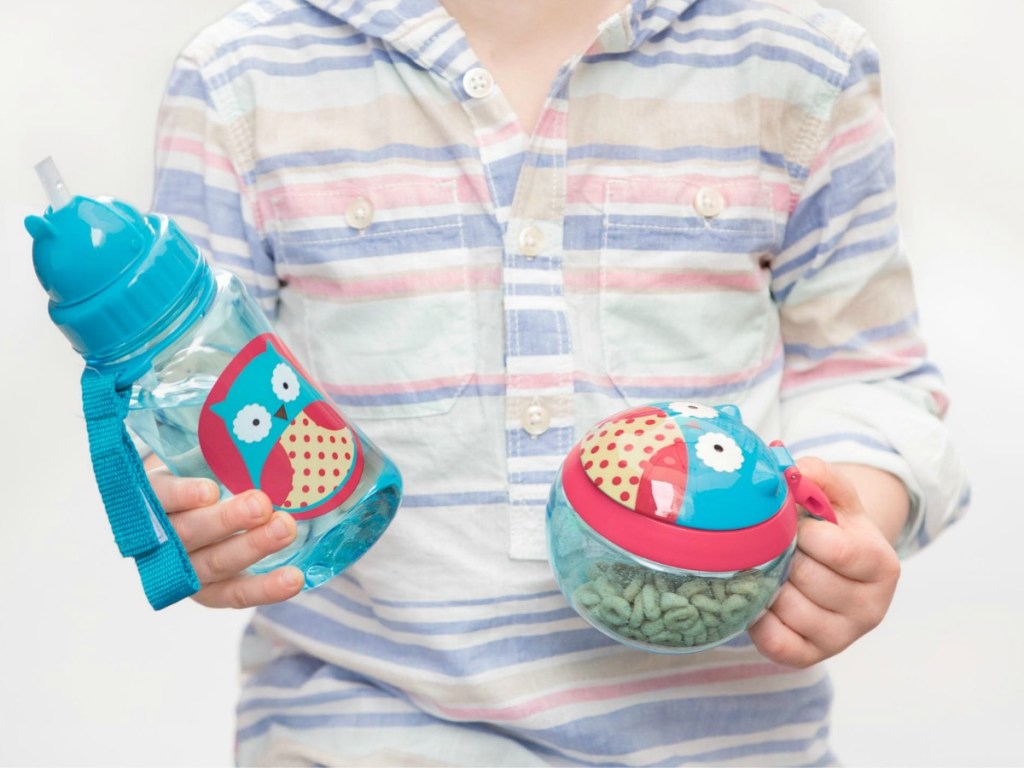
(281, 414)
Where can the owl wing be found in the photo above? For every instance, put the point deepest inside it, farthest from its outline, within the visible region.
(324, 415)
(277, 476)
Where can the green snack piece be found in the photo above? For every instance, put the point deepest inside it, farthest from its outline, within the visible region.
(651, 601)
(693, 587)
(670, 600)
(587, 596)
(747, 587)
(650, 628)
(734, 603)
(633, 588)
(696, 629)
(706, 603)
(636, 617)
(667, 638)
(680, 615)
(615, 610)
(661, 583)
(710, 619)
(718, 589)
(606, 587)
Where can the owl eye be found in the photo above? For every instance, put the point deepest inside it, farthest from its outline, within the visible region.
(252, 423)
(719, 452)
(285, 382)
(694, 409)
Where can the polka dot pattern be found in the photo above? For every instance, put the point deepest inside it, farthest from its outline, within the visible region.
(321, 459)
(615, 453)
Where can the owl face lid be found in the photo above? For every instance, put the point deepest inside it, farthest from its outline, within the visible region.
(684, 485)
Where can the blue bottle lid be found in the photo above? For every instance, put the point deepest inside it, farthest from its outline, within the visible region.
(122, 285)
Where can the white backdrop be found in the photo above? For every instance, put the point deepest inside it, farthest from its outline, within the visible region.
(89, 675)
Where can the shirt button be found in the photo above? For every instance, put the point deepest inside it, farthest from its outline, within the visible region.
(478, 82)
(359, 214)
(709, 202)
(535, 419)
(531, 242)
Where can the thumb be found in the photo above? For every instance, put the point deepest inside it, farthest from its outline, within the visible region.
(837, 487)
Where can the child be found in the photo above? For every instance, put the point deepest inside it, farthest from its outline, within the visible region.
(486, 226)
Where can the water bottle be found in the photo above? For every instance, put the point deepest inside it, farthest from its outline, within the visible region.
(180, 353)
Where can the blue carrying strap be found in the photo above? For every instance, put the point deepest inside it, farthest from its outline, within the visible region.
(140, 525)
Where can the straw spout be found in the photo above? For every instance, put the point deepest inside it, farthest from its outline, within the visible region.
(53, 184)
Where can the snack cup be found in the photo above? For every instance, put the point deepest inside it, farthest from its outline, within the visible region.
(671, 526)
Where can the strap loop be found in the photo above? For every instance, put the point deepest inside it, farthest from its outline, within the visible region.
(140, 525)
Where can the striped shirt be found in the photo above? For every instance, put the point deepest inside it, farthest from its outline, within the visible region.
(704, 212)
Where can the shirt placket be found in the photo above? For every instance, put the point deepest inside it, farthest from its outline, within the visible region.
(538, 352)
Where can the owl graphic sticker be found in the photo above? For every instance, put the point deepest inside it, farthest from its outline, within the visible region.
(264, 425)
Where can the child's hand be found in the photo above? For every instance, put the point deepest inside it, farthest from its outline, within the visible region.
(223, 538)
(840, 584)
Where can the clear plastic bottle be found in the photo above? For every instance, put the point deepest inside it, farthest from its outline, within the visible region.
(214, 392)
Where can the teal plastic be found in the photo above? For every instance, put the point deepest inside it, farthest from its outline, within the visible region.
(157, 328)
(122, 286)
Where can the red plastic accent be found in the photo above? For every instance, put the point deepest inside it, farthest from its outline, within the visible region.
(672, 544)
(809, 496)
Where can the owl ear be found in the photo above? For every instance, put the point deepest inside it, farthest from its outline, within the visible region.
(730, 411)
(219, 409)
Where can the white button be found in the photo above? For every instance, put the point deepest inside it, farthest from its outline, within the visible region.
(531, 241)
(535, 419)
(359, 214)
(478, 82)
(709, 202)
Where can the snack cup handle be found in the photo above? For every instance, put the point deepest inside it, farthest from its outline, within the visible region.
(809, 496)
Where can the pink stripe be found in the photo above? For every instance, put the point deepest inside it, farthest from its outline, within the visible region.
(503, 134)
(872, 128)
(423, 385)
(197, 149)
(659, 281)
(383, 192)
(400, 284)
(551, 701)
(699, 381)
(743, 191)
(552, 124)
(893, 363)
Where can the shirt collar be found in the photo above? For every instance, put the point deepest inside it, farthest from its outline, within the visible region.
(424, 31)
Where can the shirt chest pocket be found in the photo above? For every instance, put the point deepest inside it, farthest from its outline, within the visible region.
(377, 287)
(683, 300)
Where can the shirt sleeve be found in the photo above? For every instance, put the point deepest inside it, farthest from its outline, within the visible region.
(203, 177)
(857, 384)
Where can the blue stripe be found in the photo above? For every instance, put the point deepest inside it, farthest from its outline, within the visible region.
(554, 442)
(856, 342)
(399, 151)
(537, 332)
(460, 662)
(467, 499)
(733, 33)
(705, 61)
(825, 246)
(464, 627)
(696, 392)
(184, 193)
(482, 601)
(746, 153)
(850, 187)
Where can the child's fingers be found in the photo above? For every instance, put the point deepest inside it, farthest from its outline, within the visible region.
(201, 527)
(820, 583)
(180, 493)
(856, 551)
(228, 557)
(248, 591)
(835, 485)
(782, 644)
